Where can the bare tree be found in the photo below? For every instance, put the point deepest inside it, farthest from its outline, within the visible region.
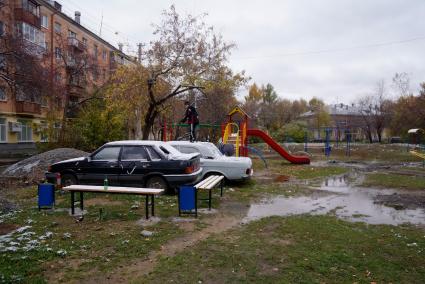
(21, 68)
(401, 84)
(72, 70)
(375, 110)
(186, 55)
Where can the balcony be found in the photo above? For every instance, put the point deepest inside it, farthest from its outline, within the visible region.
(78, 45)
(71, 63)
(33, 49)
(27, 107)
(26, 16)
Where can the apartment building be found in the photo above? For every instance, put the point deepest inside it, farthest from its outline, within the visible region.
(74, 62)
(343, 119)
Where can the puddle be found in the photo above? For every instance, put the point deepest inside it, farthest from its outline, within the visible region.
(346, 201)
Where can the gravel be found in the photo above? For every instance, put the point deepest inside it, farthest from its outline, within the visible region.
(32, 169)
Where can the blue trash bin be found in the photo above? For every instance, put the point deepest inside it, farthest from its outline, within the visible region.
(188, 200)
(46, 196)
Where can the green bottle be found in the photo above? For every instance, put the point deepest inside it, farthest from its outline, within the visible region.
(105, 183)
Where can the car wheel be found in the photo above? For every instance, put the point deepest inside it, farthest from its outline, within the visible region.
(68, 179)
(157, 182)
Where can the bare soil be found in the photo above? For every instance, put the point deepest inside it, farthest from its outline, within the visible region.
(215, 225)
(402, 201)
(7, 228)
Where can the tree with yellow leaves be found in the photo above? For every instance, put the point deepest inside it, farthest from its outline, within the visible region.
(186, 55)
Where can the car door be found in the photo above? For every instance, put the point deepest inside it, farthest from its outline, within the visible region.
(134, 165)
(102, 164)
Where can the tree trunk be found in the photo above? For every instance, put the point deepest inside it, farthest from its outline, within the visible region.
(150, 117)
(138, 124)
(379, 134)
(369, 135)
(62, 131)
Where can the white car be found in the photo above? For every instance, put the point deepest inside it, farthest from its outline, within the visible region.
(214, 162)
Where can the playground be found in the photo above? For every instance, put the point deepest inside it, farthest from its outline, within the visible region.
(301, 218)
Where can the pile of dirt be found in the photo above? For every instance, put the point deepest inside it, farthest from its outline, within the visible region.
(32, 170)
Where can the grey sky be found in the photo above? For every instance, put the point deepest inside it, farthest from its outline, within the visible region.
(328, 48)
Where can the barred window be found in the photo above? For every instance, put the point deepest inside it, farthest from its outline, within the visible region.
(3, 96)
(3, 129)
(26, 132)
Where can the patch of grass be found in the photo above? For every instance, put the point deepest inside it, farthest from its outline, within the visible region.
(394, 181)
(277, 166)
(301, 249)
(255, 190)
(309, 172)
(358, 152)
(93, 245)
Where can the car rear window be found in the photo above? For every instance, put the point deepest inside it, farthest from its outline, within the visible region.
(154, 155)
(134, 153)
(107, 153)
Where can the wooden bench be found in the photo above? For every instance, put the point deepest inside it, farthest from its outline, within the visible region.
(207, 184)
(114, 190)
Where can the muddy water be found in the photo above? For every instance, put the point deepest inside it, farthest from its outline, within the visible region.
(345, 200)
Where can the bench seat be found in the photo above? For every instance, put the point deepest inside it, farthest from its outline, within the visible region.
(113, 190)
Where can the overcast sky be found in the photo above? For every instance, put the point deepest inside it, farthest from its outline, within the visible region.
(332, 49)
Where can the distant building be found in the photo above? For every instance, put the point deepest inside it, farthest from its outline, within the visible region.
(62, 45)
(344, 119)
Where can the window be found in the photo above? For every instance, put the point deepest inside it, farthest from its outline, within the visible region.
(3, 129)
(44, 21)
(58, 27)
(31, 33)
(3, 96)
(108, 154)
(26, 132)
(134, 153)
(31, 7)
(95, 73)
(44, 101)
(72, 34)
(1, 28)
(95, 51)
(152, 153)
(58, 77)
(104, 55)
(84, 41)
(2, 61)
(58, 53)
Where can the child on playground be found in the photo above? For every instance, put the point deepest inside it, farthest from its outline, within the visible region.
(191, 116)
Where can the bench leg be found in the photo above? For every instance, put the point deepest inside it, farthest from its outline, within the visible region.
(81, 202)
(147, 206)
(178, 201)
(209, 199)
(153, 205)
(196, 203)
(72, 203)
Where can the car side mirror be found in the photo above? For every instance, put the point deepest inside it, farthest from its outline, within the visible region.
(87, 159)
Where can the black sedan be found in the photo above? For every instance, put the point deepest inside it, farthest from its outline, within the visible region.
(152, 164)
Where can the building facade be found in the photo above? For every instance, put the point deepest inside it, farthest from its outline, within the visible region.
(74, 62)
(344, 119)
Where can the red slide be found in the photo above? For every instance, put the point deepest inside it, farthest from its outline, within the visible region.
(277, 147)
